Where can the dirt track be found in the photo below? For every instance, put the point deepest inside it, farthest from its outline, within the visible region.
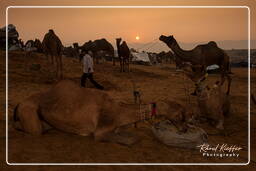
(156, 83)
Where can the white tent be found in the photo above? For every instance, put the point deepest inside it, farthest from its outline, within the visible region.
(140, 57)
(212, 67)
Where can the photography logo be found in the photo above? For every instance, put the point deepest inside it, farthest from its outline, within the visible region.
(219, 150)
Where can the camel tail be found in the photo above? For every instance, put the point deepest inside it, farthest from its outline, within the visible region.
(15, 117)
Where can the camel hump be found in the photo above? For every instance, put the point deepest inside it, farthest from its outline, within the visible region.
(212, 43)
(66, 85)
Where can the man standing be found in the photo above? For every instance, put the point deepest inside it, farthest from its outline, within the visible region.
(88, 70)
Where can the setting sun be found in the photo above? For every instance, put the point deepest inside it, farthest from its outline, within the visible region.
(137, 38)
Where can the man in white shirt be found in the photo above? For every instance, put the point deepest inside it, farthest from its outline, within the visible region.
(88, 70)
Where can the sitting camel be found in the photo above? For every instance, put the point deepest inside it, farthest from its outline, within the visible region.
(80, 111)
(213, 102)
(123, 54)
(204, 55)
(52, 46)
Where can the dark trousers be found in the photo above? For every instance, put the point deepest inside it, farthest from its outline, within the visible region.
(90, 77)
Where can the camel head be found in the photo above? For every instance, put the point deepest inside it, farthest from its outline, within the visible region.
(203, 90)
(169, 40)
(51, 31)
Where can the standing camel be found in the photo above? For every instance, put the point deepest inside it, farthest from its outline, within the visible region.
(204, 55)
(123, 54)
(99, 48)
(52, 46)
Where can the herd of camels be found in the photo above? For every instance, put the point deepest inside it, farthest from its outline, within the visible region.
(201, 56)
(72, 112)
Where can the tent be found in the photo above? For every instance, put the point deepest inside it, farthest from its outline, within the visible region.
(140, 58)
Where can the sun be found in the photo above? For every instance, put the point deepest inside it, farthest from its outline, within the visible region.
(137, 38)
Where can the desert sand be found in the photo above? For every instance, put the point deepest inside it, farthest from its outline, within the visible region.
(157, 83)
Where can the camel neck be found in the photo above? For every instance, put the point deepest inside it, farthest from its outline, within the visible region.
(184, 55)
(118, 45)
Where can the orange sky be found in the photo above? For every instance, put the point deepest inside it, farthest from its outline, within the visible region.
(80, 25)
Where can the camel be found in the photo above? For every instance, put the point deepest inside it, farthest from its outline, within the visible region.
(204, 55)
(123, 54)
(166, 56)
(70, 52)
(99, 47)
(38, 45)
(52, 46)
(213, 102)
(80, 111)
(34, 46)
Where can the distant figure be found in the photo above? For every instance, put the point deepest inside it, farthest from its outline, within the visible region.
(88, 70)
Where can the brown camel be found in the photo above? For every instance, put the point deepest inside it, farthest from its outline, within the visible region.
(204, 55)
(123, 54)
(52, 46)
(38, 45)
(100, 48)
(80, 111)
(213, 102)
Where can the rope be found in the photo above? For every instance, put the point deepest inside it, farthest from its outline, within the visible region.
(151, 46)
(147, 44)
(153, 41)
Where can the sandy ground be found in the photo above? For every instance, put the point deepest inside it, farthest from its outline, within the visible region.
(157, 83)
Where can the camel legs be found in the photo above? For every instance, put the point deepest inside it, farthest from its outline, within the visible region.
(61, 65)
(128, 64)
(28, 119)
(59, 72)
(57, 66)
(121, 64)
(229, 83)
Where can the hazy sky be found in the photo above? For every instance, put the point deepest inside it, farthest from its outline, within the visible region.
(80, 25)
